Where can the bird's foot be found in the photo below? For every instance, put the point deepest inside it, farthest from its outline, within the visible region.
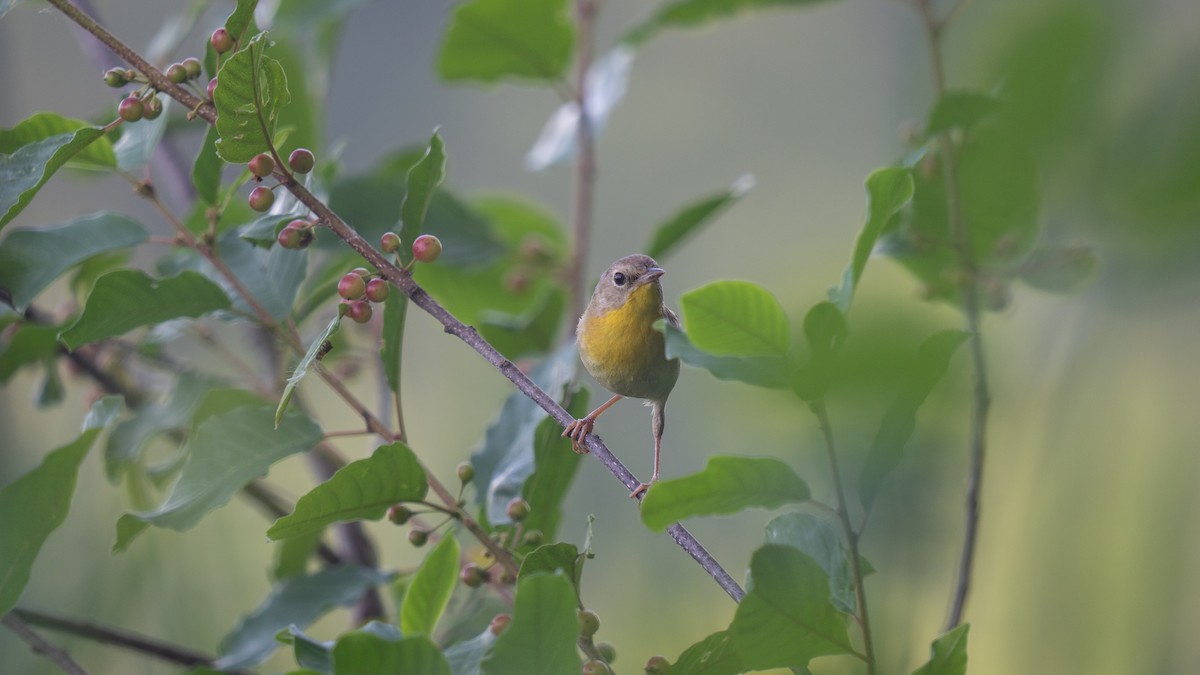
(577, 431)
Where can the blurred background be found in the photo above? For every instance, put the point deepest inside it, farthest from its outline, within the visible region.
(1089, 545)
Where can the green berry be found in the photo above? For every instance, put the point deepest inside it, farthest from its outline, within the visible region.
(360, 312)
(131, 108)
(595, 667)
(589, 623)
(261, 198)
(115, 78)
(499, 623)
(153, 107)
(518, 509)
(399, 514)
(378, 290)
(466, 472)
(193, 67)
(177, 73)
(222, 41)
(426, 248)
(351, 287)
(301, 160)
(417, 537)
(657, 665)
(534, 538)
(261, 165)
(608, 651)
(472, 575)
(389, 242)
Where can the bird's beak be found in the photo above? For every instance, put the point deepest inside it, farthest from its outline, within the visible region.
(652, 274)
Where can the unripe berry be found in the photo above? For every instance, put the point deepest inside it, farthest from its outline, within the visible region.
(289, 237)
(466, 472)
(378, 290)
(518, 509)
(657, 665)
(222, 41)
(399, 514)
(534, 538)
(261, 198)
(261, 165)
(589, 623)
(608, 651)
(595, 667)
(153, 107)
(426, 248)
(131, 108)
(360, 311)
(193, 67)
(351, 287)
(472, 575)
(301, 160)
(499, 623)
(177, 73)
(115, 78)
(212, 88)
(307, 235)
(389, 242)
(417, 537)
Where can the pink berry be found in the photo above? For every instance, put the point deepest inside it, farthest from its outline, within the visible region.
(351, 287)
(289, 237)
(212, 88)
(131, 109)
(377, 290)
(426, 248)
(261, 165)
(261, 198)
(389, 242)
(301, 160)
(222, 41)
(359, 311)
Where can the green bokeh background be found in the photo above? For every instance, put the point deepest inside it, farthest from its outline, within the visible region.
(1089, 541)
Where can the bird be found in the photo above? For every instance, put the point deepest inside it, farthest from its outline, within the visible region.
(620, 348)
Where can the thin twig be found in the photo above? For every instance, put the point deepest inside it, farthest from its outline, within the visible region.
(57, 656)
(969, 289)
(585, 167)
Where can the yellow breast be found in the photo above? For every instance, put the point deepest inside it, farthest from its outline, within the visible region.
(621, 349)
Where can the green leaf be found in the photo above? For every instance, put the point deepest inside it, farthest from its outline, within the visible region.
(206, 169)
(361, 490)
(714, 655)
(1058, 269)
(391, 344)
(541, 637)
(998, 182)
(888, 190)
(241, 19)
(533, 332)
(30, 260)
(488, 40)
(430, 588)
(825, 328)
(466, 657)
(467, 237)
(933, 360)
(315, 350)
(226, 451)
(25, 168)
(297, 601)
(948, 654)
(360, 653)
(774, 372)
(679, 227)
(822, 541)
(292, 555)
(309, 653)
(693, 13)
(251, 88)
(98, 155)
(735, 318)
(555, 466)
(960, 109)
(726, 485)
(551, 558)
(128, 299)
(138, 141)
(129, 438)
(419, 185)
(272, 276)
(33, 506)
(31, 344)
(787, 619)
(506, 459)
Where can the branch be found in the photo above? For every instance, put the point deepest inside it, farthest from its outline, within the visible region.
(969, 288)
(40, 646)
(585, 167)
(403, 280)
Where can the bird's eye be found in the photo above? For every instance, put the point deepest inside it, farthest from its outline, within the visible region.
(619, 279)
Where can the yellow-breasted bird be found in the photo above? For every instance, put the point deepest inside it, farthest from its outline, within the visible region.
(620, 348)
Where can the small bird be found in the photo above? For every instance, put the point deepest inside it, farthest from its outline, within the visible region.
(620, 348)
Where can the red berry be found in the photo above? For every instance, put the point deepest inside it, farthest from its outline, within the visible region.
(177, 73)
(261, 165)
(115, 78)
(499, 623)
(301, 160)
(193, 67)
(360, 312)
(261, 198)
(131, 108)
(377, 290)
(426, 248)
(351, 287)
(389, 242)
(472, 575)
(212, 88)
(289, 237)
(222, 41)
(153, 107)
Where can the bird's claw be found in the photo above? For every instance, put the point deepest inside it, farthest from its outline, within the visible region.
(577, 431)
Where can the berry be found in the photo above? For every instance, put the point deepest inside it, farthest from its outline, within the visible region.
(517, 509)
(517, 281)
(177, 73)
(595, 667)
(115, 78)
(192, 65)
(589, 623)
(608, 651)
(534, 538)
(212, 88)
(222, 41)
(499, 623)
(351, 287)
(417, 537)
(361, 271)
(472, 575)
(289, 237)
(153, 107)
(360, 311)
(131, 108)
(261, 165)
(261, 198)
(657, 665)
(307, 235)
(301, 160)
(399, 514)
(389, 242)
(426, 248)
(466, 472)
(377, 290)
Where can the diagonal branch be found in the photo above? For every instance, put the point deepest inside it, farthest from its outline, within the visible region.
(59, 657)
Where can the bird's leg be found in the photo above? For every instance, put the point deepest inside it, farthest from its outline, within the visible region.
(580, 428)
(658, 418)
